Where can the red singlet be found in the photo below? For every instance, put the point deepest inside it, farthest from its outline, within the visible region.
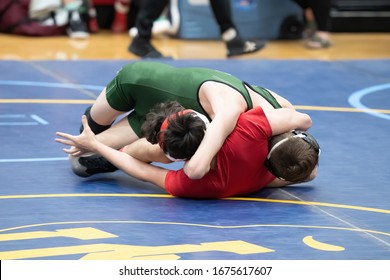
(240, 168)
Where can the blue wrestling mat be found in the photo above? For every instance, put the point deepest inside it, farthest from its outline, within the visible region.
(49, 213)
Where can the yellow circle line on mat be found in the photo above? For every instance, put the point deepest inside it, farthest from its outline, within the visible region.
(311, 242)
(254, 199)
(90, 101)
(198, 225)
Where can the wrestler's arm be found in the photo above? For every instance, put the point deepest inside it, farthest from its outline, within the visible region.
(128, 164)
(281, 100)
(226, 107)
(143, 150)
(132, 166)
(287, 119)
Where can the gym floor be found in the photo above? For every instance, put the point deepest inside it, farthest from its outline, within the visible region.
(49, 213)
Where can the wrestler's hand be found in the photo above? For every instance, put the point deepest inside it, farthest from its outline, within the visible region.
(79, 144)
(77, 152)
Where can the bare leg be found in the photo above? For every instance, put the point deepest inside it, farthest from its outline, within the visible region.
(101, 115)
(119, 135)
(101, 112)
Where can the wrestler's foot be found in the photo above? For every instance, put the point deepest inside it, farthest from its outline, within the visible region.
(88, 166)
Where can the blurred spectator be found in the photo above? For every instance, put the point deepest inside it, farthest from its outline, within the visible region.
(119, 24)
(317, 14)
(118, 21)
(150, 10)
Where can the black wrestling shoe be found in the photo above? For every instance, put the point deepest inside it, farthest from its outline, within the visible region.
(143, 48)
(237, 46)
(88, 166)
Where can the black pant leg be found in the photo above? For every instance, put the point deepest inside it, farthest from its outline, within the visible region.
(321, 11)
(149, 11)
(223, 14)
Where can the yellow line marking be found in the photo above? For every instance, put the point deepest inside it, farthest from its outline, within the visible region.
(104, 251)
(86, 233)
(360, 208)
(90, 101)
(341, 109)
(198, 225)
(311, 242)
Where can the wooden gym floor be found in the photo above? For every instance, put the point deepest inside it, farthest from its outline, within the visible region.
(106, 45)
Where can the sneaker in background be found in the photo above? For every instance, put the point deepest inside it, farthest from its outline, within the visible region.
(237, 46)
(77, 27)
(143, 48)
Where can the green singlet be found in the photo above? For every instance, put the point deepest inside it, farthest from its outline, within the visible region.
(139, 86)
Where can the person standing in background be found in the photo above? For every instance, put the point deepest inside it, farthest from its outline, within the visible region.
(317, 14)
(150, 10)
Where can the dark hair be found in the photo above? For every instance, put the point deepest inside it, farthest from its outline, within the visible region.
(150, 129)
(294, 160)
(183, 135)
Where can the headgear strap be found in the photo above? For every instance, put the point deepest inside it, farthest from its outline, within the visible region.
(296, 134)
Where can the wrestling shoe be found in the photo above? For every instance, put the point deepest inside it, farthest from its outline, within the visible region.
(237, 46)
(88, 166)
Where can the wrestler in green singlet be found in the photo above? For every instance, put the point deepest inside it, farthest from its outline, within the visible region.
(141, 85)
